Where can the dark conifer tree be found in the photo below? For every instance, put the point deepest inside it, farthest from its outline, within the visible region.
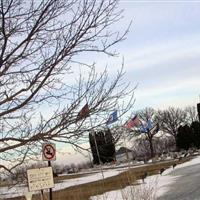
(105, 145)
(185, 137)
(195, 127)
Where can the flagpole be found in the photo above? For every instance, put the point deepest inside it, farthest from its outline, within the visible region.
(96, 147)
(97, 150)
(98, 155)
(127, 157)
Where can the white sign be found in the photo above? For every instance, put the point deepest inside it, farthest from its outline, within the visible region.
(39, 179)
(48, 152)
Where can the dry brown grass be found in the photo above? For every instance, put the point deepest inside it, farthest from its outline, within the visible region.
(85, 191)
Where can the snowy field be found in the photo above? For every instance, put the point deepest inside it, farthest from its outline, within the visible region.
(21, 190)
(156, 184)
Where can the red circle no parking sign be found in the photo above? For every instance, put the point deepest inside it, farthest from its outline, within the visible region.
(49, 152)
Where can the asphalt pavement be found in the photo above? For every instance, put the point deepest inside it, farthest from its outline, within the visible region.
(186, 187)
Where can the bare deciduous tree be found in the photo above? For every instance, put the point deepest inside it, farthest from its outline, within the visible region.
(191, 114)
(148, 128)
(152, 127)
(171, 119)
(41, 43)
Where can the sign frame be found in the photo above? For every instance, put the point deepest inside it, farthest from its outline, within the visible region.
(40, 178)
(48, 152)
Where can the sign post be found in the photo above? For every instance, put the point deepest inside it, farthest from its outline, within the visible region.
(50, 189)
(49, 154)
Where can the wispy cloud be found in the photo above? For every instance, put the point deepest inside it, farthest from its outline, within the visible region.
(152, 55)
(179, 86)
(161, 53)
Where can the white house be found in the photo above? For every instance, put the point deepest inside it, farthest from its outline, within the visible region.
(123, 154)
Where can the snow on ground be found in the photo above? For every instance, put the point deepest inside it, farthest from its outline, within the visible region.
(154, 186)
(156, 183)
(20, 190)
(87, 179)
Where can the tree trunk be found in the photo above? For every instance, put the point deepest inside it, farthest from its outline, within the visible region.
(150, 139)
(175, 141)
(151, 147)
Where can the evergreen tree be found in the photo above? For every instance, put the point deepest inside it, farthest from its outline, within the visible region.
(195, 127)
(105, 145)
(185, 137)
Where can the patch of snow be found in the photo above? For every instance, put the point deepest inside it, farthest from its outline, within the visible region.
(154, 186)
(20, 190)
(159, 184)
(86, 179)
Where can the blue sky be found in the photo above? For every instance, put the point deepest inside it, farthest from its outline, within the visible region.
(161, 52)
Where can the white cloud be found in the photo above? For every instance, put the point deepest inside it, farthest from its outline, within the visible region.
(176, 86)
(150, 55)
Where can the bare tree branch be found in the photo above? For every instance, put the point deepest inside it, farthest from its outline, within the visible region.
(41, 45)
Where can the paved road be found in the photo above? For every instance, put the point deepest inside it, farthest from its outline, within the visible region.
(186, 187)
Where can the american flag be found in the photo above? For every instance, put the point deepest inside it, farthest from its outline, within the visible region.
(133, 122)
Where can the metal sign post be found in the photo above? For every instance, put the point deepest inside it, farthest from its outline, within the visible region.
(49, 154)
(42, 195)
(50, 189)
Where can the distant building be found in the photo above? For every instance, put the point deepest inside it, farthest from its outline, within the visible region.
(123, 154)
